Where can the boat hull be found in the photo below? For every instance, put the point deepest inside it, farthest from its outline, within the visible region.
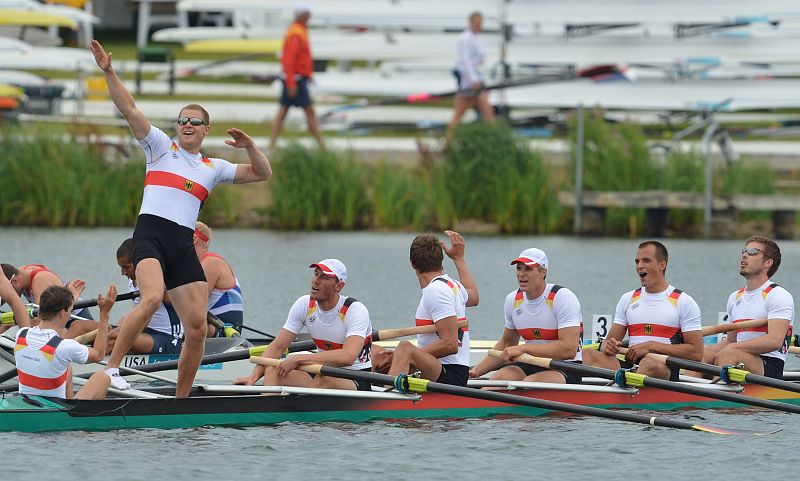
(37, 414)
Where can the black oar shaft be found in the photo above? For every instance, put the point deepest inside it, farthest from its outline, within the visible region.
(384, 379)
(93, 302)
(718, 371)
(679, 387)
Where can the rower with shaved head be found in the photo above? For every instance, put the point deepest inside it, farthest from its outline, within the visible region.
(762, 350)
(31, 280)
(339, 325)
(658, 317)
(177, 182)
(224, 292)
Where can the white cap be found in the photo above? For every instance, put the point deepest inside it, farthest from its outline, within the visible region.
(532, 257)
(332, 268)
(301, 8)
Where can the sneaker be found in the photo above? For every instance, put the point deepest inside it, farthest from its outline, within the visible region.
(117, 381)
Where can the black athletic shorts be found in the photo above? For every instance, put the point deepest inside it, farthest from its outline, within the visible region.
(172, 245)
(454, 374)
(528, 369)
(362, 385)
(301, 99)
(674, 372)
(773, 367)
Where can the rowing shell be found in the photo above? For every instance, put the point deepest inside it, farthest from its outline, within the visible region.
(218, 405)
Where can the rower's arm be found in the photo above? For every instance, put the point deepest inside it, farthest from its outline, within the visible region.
(122, 99)
(346, 356)
(98, 350)
(510, 338)
(565, 347)
(447, 344)
(274, 351)
(9, 295)
(211, 272)
(456, 253)
(771, 341)
(259, 168)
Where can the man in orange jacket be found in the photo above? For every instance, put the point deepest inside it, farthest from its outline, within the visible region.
(298, 66)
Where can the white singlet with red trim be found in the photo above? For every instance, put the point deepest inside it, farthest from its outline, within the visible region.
(659, 317)
(33, 362)
(441, 300)
(330, 329)
(539, 320)
(176, 182)
(770, 301)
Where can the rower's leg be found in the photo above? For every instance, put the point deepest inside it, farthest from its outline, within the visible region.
(731, 355)
(191, 303)
(709, 357)
(652, 368)
(327, 382)
(293, 378)
(599, 359)
(78, 327)
(96, 387)
(381, 358)
(547, 376)
(150, 280)
(407, 355)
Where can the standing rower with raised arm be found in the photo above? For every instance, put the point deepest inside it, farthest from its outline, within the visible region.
(178, 181)
(224, 292)
(762, 350)
(547, 316)
(442, 356)
(658, 317)
(339, 325)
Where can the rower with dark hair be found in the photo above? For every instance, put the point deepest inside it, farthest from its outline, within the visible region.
(658, 317)
(177, 182)
(31, 280)
(224, 292)
(43, 356)
(762, 350)
(442, 356)
(164, 331)
(339, 325)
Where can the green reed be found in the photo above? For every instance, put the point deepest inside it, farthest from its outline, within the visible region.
(493, 177)
(314, 189)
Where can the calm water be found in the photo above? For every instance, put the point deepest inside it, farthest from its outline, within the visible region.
(272, 270)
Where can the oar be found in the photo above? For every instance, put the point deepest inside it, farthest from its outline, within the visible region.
(262, 333)
(240, 354)
(707, 330)
(728, 374)
(403, 383)
(227, 330)
(93, 302)
(627, 378)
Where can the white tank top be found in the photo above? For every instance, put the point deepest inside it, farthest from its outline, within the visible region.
(660, 317)
(330, 329)
(176, 182)
(444, 297)
(770, 301)
(539, 320)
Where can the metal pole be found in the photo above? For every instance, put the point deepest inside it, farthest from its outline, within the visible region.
(577, 226)
(705, 145)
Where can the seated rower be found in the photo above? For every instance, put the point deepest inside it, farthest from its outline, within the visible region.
(547, 316)
(658, 317)
(442, 356)
(224, 293)
(32, 279)
(762, 350)
(339, 325)
(164, 331)
(43, 356)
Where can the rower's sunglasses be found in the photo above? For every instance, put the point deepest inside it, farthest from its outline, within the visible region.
(195, 121)
(751, 251)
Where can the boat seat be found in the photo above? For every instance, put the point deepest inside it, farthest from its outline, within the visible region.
(216, 345)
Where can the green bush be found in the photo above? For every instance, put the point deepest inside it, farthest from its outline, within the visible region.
(317, 189)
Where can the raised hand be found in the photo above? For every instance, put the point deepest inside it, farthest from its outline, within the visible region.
(456, 249)
(102, 58)
(77, 287)
(107, 302)
(240, 139)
